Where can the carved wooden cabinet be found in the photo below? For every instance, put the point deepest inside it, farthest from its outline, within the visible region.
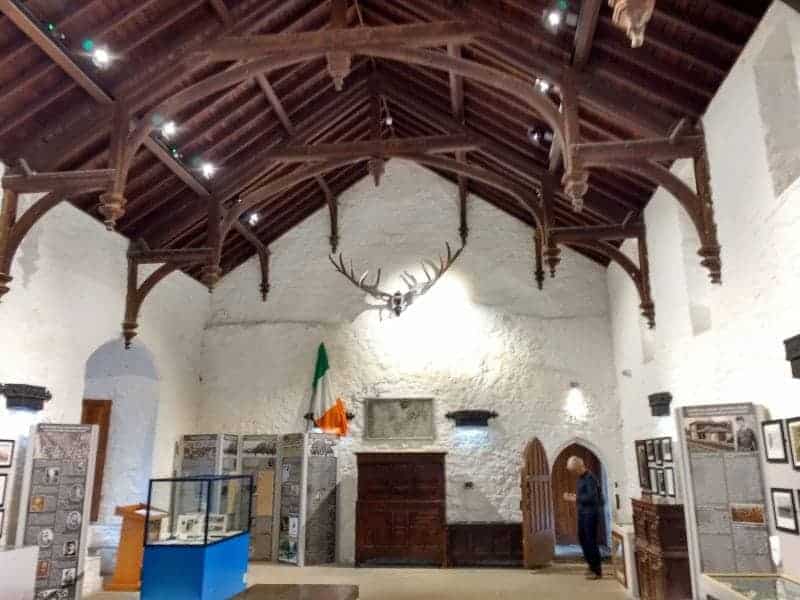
(484, 545)
(400, 512)
(662, 554)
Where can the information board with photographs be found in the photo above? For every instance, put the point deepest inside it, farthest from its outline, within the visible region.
(258, 457)
(726, 486)
(58, 479)
(654, 460)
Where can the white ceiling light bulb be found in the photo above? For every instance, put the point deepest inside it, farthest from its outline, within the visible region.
(389, 121)
(554, 18)
(208, 170)
(253, 219)
(169, 129)
(101, 57)
(543, 85)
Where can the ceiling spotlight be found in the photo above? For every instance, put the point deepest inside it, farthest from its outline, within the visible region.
(554, 18)
(389, 121)
(542, 85)
(539, 137)
(169, 129)
(208, 170)
(101, 58)
(253, 219)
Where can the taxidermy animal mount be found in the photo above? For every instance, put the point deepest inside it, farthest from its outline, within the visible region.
(633, 16)
(397, 302)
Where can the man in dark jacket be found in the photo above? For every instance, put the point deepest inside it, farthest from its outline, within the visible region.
(590, 510)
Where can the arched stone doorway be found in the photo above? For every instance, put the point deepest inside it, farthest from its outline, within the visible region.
(564, 512)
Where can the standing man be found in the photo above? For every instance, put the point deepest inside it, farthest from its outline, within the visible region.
(745, 437)
(590, 509)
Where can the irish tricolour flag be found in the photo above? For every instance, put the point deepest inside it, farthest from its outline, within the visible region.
(329, 413)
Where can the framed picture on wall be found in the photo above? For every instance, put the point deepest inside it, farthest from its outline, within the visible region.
(3, 484)
(666, 449)
(793, 433)
(662, 482)
(658, 452)
(669, 481)
(641, 463)
(2, 519)
(618, 558)
(653, 480)
(783, 509)
(774, 441)
(651, 452)
(6, 453)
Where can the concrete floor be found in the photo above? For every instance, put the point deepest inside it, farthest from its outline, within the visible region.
(558, 582)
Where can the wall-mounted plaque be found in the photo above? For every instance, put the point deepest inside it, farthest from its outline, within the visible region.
(399, 419)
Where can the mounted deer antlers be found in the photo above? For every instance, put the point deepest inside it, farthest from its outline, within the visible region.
(399, 301)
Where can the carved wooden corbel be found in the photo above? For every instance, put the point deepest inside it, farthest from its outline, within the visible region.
(212, 272)
(264, 255)
(171, 260)
(333, 210)
(632, 16)
(338, 62)
(539, 270)
(112, 203)
(463, 226)
(575, 179)
(550, 249)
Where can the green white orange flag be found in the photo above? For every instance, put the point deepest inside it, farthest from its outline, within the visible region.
(329, 414)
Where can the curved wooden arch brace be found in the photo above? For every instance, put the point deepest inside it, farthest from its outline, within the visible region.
(137, 294)
(436, 60)
(697, 204)
(639, 275)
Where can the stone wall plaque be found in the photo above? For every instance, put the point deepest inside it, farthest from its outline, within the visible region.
(399, 419)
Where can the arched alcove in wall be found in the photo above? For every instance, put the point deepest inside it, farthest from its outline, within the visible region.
(129, 379)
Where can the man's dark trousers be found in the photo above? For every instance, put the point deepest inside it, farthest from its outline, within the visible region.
(587, 535)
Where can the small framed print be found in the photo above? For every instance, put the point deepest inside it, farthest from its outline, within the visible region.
(658, 452)
(774, 441)
(3, 485)
(2, 519)
(641, 463)
(653, 480)
(783, 509)
(666, 449)
(793, 434)
(662, 482)
(6, 453)
(669, 481)
(651, 452)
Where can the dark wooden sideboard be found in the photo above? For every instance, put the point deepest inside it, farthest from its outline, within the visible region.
(662, 553)
(484, 545)
(400, 511)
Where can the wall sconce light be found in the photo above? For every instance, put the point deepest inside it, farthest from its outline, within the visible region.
(472, 418)
(310, 416)
(659, 404)
(20, 396)
(793, 354)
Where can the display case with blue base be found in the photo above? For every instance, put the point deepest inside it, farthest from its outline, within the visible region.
(200, 550)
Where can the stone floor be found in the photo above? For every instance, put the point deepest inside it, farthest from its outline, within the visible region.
(558, 582)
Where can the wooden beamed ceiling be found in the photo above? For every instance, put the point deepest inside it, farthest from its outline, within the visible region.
(57, 106)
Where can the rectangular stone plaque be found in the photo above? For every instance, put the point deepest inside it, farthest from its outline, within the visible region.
(399, 419)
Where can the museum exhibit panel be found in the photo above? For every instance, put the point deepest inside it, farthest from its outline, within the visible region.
(420, 299)
(201, 550)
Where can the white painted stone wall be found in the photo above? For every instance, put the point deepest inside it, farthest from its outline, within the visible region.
(740, 357)
(67, 300)
(484, 337)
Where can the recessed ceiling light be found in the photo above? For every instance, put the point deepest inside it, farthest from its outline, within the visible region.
(101, 57)
(208, 170)
(554, 18)
(169, 129)
(253, 218)
(542, 85)
(389, 121)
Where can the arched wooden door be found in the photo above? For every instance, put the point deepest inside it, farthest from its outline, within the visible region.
(566, 514)
(538, 543)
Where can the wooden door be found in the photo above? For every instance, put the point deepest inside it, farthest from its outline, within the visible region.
(98, 412)
(537, 508)
(566, 513)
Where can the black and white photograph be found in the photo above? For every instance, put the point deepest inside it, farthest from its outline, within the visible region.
(76, 492)
(641, 463)
(746, 439)
(3, 485)
(259, 447)
(662, 482)
(69, 548)
(774, 441)
(73, 522)
(793, 434)
(651, 452)
(666, 449)
(657, 450)
(710, 433)
(68, 576)
(2, 519)
(6, 453)
(45, 538)
(52, 475)
(784, 510)
(653, 480)
(669, 481)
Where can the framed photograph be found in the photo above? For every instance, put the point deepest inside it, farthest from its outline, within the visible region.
(651, 452)
(669, 481)
(3, 485)
(783, 508)
(666, 449)
(6, 453)
(774, 441)
(748, 515)
(618, 558)
(2, 519)
(658, 452)
(653, 480)
(641, 463)
(793, 433)
(662, 482)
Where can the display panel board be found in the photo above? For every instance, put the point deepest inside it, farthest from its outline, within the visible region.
(258, 457)
(399, 419)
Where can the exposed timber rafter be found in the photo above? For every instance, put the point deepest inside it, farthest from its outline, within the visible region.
(264, 255)
(66, 182)
(376, 147)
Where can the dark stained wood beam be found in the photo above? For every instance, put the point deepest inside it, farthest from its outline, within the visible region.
(173, 256)
(222, 11)
(67, 182)
(651, 149)
(378, 148)
(255, 46)
(584, 33)
(598, 232)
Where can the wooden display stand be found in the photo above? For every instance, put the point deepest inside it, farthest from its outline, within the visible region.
(127, 574)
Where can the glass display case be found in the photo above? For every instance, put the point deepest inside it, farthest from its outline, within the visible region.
(199, 510)
(751, 587)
